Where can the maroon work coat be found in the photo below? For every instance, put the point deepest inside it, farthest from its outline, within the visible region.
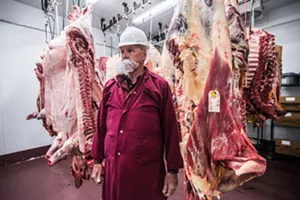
(132, 134)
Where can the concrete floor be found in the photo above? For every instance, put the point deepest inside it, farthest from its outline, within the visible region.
(34, 180)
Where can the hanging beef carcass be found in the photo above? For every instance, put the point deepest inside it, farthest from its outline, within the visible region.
(263, 79)
(217, 153)
(239, 43)
(70, 92)
(240, 50)
(258, 105)
(51, 82)
(50, 72)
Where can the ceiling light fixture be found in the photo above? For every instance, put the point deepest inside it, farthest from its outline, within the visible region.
(153, 12)
(90, 2)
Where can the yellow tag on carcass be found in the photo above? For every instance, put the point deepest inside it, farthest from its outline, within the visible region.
(214, 101)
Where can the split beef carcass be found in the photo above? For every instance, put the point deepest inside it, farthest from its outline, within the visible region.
(70, 92)
(253, 62)
(50, 72)
(239, 43)
(55, 49)
(263, 79)
(217, 153)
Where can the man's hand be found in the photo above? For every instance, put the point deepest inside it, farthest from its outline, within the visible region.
(171, 182)
(97, 173)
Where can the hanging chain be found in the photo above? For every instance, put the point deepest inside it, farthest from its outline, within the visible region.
(104, 38)
(151, 22)
(50, 8)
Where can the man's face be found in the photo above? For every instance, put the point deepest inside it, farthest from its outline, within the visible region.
(134, 53)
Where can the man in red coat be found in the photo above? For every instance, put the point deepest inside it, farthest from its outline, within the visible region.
(137, 129)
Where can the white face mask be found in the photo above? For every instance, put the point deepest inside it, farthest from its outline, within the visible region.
(126, 66)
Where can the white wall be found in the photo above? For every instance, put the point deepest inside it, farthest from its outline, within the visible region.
(19, 88)
(284, 23)
(20, 48)
(99, 39)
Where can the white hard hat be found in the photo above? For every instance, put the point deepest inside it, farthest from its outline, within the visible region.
(133, 36)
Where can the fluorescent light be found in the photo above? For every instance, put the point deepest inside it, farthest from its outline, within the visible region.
(90, 2)
(153, 12)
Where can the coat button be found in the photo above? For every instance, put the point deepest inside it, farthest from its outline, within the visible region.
(121, 131)
(134, 92)
(119, 153)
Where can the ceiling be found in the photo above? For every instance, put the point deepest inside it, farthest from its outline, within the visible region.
(102, 8)
(273, 4)
(109, 8)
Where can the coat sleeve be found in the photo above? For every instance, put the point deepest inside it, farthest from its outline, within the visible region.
(97, 151)
(171, 133)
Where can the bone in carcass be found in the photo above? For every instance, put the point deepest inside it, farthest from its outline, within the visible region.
(217, 153)
(265, 82)
(81, 63)
(87, 85)
(253, 63)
